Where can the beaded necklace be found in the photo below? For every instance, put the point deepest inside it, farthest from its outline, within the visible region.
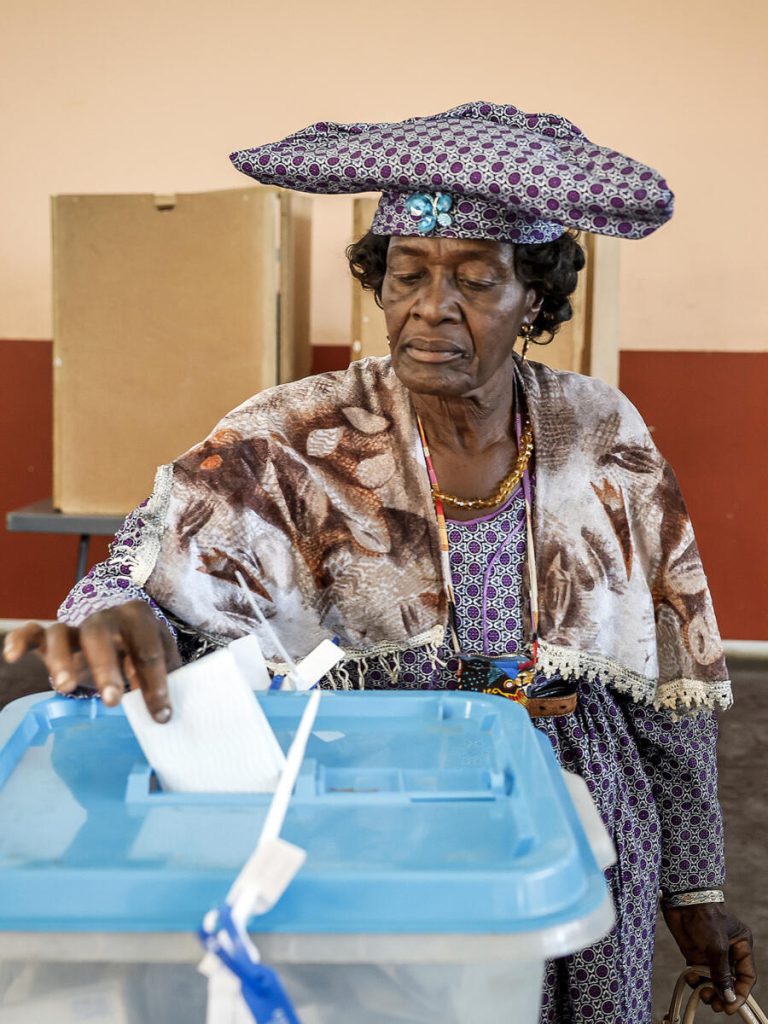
(505, 675)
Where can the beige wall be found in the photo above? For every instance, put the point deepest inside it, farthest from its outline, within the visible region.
(101, 96)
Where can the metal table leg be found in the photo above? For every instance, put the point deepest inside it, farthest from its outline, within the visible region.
(82, 556)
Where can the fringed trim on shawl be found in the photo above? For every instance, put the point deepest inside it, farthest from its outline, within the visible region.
(678, 695)
(149, 522)
(350, 673)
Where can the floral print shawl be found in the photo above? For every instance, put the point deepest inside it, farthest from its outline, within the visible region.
(317, 492)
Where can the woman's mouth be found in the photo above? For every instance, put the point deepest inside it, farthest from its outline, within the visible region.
(433, 355)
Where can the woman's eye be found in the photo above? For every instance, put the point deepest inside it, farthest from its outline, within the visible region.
(406, 278)
(476, 285)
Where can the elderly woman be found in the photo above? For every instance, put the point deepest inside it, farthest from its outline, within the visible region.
(460, 517)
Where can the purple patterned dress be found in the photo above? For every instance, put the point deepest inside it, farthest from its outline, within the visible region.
(654, 779)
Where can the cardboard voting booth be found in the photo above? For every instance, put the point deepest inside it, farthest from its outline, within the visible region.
(168, 312)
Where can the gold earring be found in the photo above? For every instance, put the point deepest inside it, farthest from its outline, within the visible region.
(526, 333)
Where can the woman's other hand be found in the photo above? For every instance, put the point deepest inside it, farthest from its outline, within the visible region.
(127, 642)
(708, 935)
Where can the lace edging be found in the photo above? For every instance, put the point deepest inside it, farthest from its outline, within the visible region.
(677, 694)
(694, 694)
(429, 638)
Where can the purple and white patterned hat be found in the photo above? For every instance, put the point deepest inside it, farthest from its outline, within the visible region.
(480, 170)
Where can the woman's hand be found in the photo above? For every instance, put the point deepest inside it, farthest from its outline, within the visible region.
(123, 643)
(710, 936)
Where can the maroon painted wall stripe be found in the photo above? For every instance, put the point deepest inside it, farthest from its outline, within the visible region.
(709, 416)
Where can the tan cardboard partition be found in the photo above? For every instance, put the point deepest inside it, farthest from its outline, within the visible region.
(586, 344)
(168, 312)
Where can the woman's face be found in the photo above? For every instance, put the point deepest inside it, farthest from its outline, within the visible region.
(453, 308)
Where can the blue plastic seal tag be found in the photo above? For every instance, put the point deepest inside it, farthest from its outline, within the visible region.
(266, 998)
(262, 990)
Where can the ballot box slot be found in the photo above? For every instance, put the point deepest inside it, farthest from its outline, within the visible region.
(318, 783)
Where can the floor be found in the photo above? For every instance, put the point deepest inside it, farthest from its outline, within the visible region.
(743, 776)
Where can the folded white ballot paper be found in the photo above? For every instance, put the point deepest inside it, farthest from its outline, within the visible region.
(218, 739)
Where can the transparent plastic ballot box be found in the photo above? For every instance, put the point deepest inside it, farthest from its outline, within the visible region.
(447, 860)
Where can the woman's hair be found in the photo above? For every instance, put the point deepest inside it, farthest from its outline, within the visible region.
(550, 268)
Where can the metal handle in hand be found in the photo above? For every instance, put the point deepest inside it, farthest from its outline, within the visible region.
(749, 1012)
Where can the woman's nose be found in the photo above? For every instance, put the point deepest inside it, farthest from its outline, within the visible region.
(436, 301)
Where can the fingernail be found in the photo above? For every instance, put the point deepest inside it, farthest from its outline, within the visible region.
(110, 694)
(162, 715)
(730, 995)
(61, 680)
(9, 646)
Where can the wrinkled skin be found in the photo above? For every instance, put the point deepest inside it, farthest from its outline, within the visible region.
(710, 936)
(122, 645)
(454, 309)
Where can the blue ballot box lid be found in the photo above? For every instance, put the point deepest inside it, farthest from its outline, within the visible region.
(419, 812)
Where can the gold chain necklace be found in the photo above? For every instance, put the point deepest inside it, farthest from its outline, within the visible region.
(506, 486)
